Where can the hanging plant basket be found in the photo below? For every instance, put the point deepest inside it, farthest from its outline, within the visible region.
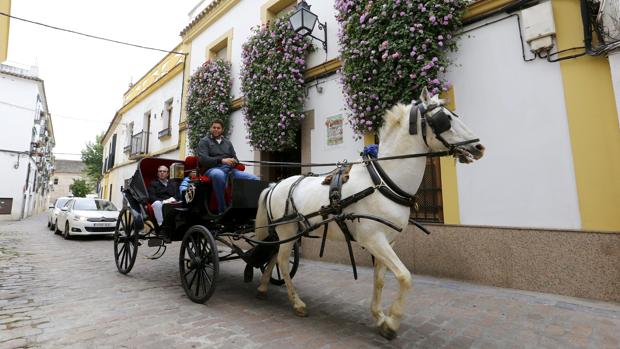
(208, 99)
(390, 50)
(272, 82)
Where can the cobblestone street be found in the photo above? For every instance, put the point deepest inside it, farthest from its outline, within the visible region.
(58, 294)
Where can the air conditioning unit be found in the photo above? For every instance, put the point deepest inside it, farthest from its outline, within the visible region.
(539, 27)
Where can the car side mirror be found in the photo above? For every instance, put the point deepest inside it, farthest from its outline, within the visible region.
(64, 209)
(50, 206)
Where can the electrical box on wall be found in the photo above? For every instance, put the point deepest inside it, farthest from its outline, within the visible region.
(538, 26)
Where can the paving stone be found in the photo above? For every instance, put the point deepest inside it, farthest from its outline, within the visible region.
(56, 293)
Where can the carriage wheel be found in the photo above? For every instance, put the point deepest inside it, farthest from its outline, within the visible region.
(293, 261)
(198, 264)
(125, 242)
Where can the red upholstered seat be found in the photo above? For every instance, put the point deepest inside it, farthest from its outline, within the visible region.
(149, 211)
(192, 163)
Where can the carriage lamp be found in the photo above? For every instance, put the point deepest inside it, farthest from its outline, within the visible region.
(303, 22)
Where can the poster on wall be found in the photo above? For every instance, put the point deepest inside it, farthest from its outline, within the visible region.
(334, 126)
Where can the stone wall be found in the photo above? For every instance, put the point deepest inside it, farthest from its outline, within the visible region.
(573, 263)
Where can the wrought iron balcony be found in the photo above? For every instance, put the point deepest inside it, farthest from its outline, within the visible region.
(138, 145)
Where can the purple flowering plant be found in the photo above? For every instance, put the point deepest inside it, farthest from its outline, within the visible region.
(208, 99)
(272, 81)
(390, 50)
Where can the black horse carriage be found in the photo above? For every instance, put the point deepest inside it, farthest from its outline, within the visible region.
(206, 237)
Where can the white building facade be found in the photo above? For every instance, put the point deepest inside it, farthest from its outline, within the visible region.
(26, 142)
(544, 123)
(146, 125)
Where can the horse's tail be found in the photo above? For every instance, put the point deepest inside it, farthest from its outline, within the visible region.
(261, 216)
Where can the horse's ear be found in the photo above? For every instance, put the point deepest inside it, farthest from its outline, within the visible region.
(425, 97)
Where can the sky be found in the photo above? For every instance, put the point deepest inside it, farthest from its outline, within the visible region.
(85, 78)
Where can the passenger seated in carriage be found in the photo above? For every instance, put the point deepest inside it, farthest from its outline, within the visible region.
(161, 191)
(218, 157)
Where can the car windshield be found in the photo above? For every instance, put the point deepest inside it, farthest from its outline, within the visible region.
(94, 205)
(61, 202)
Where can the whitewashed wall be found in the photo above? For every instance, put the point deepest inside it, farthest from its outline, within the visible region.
(155, 103)
(327, 100)
(241, 19)
(526, 178)
(18, 102)
(18, 98)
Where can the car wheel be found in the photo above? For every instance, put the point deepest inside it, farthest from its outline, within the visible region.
(65, 234)
(55, 228)
(49, 225)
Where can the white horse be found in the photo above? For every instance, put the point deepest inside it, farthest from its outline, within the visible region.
(375, 237)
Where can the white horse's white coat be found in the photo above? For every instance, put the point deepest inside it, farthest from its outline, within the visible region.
(375, 237)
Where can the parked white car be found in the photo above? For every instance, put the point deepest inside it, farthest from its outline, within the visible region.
(87, 216)
(53, 210)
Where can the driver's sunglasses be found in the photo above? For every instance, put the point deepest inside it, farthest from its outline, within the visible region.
(162, 170)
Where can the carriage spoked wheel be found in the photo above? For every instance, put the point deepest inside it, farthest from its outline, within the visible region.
(293, 262)
(125, 241)
(198, 264)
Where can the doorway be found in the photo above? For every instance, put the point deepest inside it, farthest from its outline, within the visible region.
(276, 173)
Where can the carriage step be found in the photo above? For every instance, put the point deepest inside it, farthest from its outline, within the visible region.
(154, 242)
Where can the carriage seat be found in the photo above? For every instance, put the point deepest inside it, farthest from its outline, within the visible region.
(192, 163)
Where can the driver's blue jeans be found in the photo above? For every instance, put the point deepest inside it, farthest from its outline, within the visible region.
(218, 177)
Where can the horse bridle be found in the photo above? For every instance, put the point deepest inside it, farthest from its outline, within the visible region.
(439, 122)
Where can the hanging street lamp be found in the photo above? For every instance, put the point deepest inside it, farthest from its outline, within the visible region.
(303, 22)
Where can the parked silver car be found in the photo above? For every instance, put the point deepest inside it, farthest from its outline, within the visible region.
(53, 210)
(87, 216)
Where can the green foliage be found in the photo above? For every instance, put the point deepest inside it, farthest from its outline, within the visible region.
(392, 49)
(208, 99)
(92, 157)
(80, 188)
(272, 82)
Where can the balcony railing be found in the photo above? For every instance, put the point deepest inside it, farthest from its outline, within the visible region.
(138, 145)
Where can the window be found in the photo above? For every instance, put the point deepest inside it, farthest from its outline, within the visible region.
(166, 119)
(276, 8)
(55, 181)
(221, 47)
(128, 137)
(111, 155)
(429, 195)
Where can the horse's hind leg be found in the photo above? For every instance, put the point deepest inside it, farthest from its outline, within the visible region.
(384, 254)
(283, 263)
(264, 279)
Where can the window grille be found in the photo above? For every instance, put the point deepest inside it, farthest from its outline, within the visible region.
(429, 196)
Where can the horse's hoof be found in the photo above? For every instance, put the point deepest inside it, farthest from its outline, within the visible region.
(301, 312)
(386, 332)
(261, 295)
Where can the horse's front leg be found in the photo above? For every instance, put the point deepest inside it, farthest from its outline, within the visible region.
(283, 263)
(384, 254)
(379, 279)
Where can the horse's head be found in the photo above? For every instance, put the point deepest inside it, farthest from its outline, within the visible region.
(441, 129)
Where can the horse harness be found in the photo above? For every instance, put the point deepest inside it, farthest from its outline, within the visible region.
(438, 122)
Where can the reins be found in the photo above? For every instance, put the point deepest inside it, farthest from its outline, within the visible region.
(452, 151)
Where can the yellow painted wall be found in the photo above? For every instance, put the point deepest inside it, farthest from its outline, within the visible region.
(593, 124)
(449, 187)
(5, 7)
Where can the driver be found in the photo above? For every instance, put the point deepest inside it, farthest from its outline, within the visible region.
(217, 155)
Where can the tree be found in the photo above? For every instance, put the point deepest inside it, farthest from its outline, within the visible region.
(80, 187)
(92, 157)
